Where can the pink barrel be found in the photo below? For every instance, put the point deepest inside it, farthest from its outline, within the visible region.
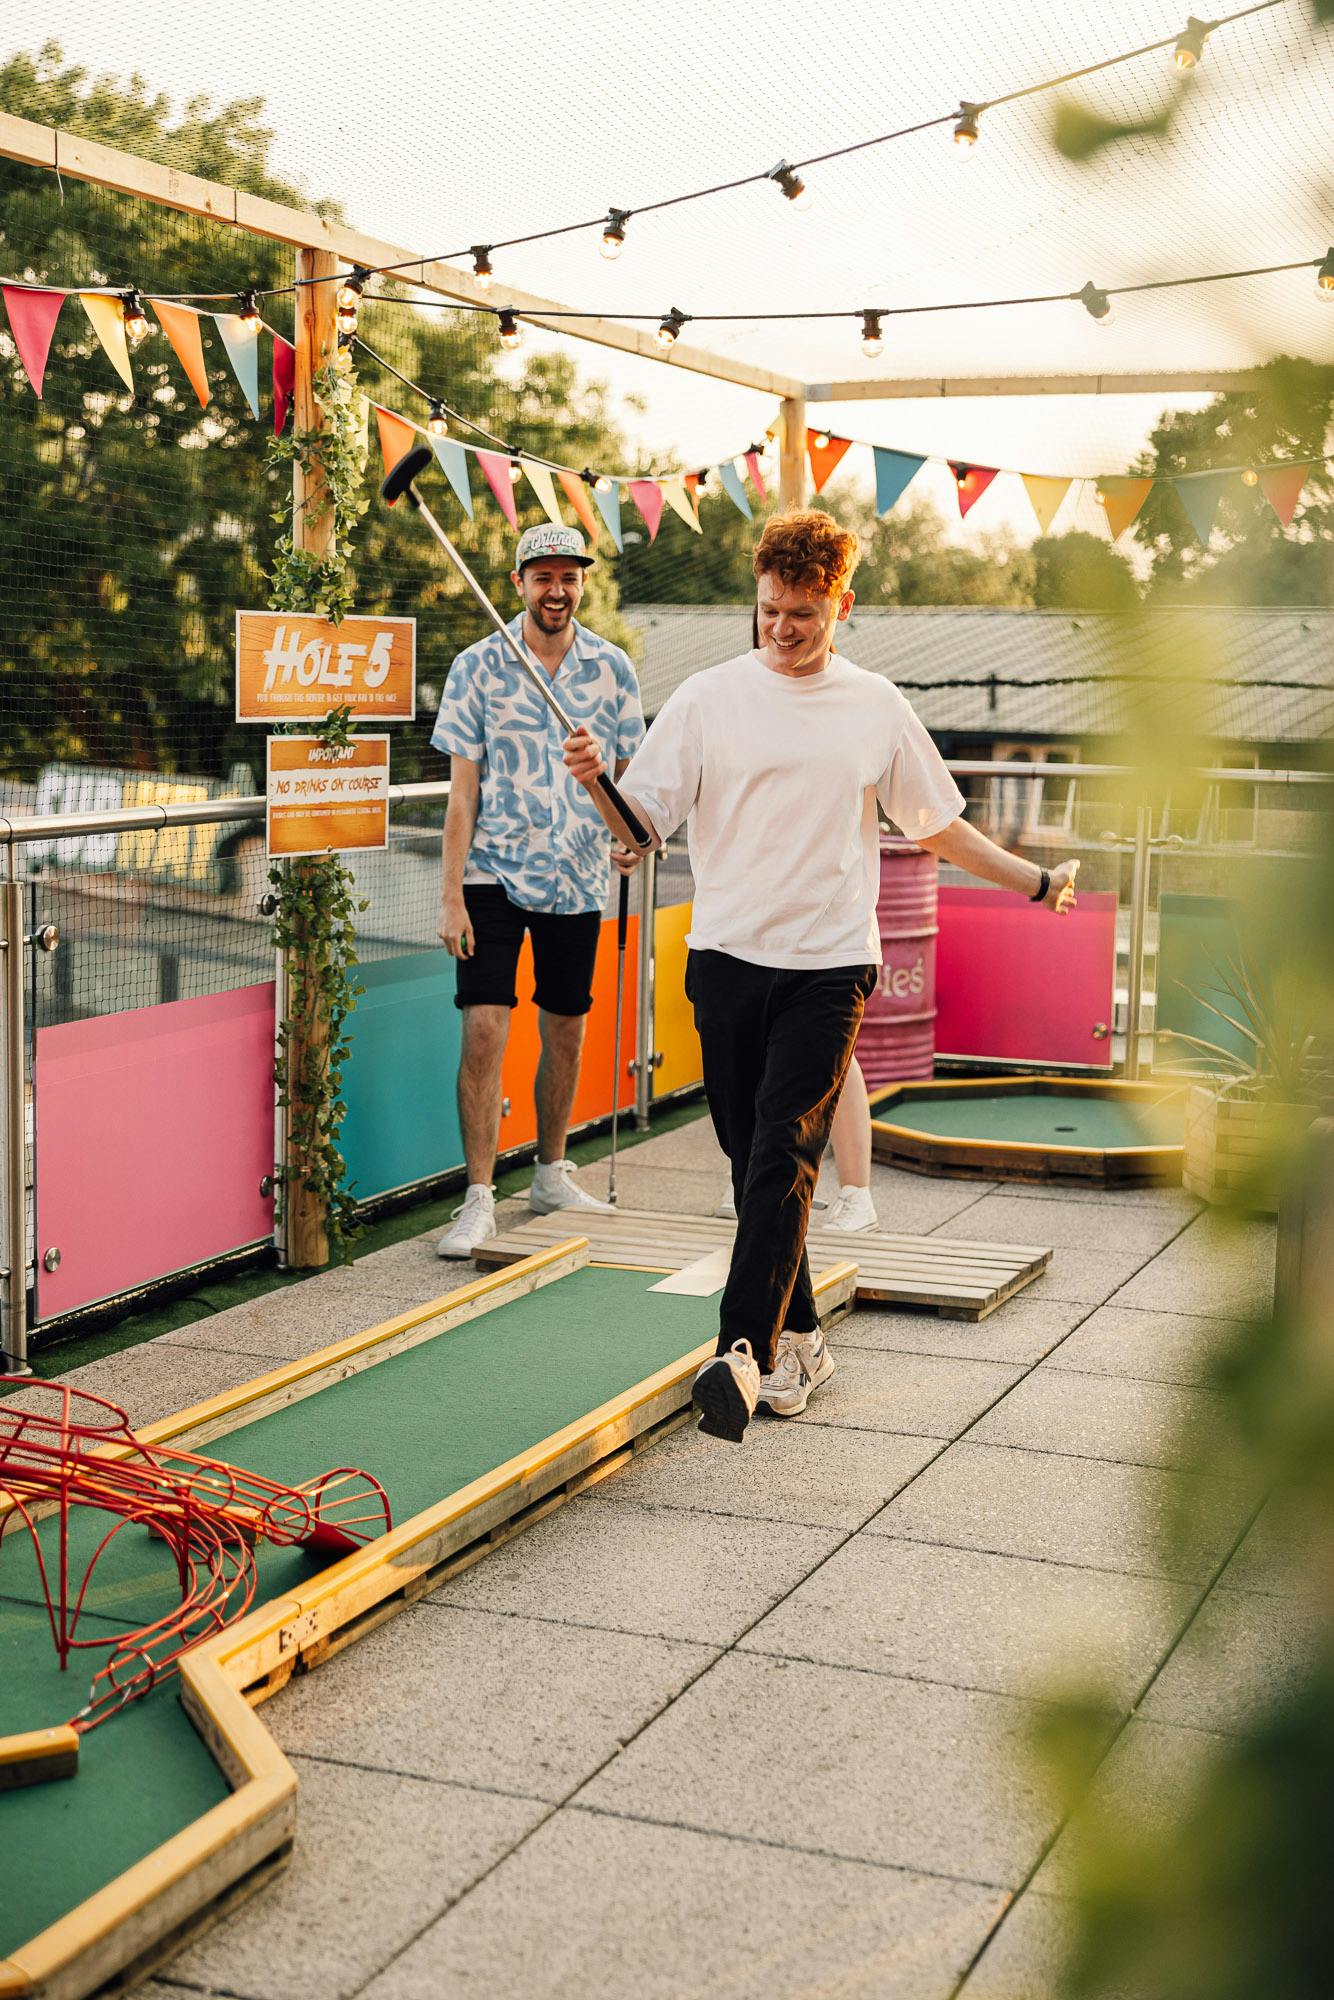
(898, 1031)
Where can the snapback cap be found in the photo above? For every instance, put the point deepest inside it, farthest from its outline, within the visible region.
(547, 542)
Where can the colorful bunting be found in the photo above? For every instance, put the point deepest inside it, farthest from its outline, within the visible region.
(1045, 496)
(1200, 493)
(693, 482)
(32, 321)
(397, 437)
(680, 501)
(497, 470)
(181, 326)
(576, 492)
(1122, 497)
(609, 506)
(1282, 486)
(972, 482)
(284, 380)
(647, 496)
(454, 464)
(242, 345)
(107, 318)
(539, 478)
(824, 457)
(894, 473)
(757, 480)
(733, 487)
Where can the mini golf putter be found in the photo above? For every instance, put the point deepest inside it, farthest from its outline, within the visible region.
(400, 482)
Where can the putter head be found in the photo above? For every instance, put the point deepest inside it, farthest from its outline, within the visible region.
(407, 469)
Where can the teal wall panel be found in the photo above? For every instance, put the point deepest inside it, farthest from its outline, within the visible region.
(1197, 936)
(402, 1120)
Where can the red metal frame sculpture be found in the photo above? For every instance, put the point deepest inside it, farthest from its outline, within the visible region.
(63, 1449)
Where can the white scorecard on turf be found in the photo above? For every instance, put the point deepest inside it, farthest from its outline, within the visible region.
(701, 1279)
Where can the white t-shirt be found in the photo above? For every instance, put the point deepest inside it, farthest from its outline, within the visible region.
(778, 776)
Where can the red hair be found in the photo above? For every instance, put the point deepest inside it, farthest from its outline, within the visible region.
(807, 550)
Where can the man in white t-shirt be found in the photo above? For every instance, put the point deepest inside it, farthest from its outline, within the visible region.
(776, 759)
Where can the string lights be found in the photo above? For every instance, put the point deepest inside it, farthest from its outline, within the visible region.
(1096, 304)
(873, 339)
(251, 317)
(1324, 277)
(670, 327)
(1190, 42)
(481, 266)
(138, 325)
(965, 130)
(349, 299)
(613, 235)
(437, 423)
(510, 334)
(791, 183)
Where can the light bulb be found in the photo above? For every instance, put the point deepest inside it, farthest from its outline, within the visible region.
(1100, 496)
(351, 289)
(346, 318)
(821, 440)
(437, 423)
(1190, 43)
(251, 318)
(138, 326)
(672, 322)
(873, 340)
(602, 484)
(1250, 477)
(516, 471)
(791, 184)
(1324, 277)
(510, 332)
(613, 235)
(481, 266)
(1096, 304)
(965, 130)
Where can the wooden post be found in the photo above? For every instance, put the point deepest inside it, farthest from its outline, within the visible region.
(313, 529)
(792, 459)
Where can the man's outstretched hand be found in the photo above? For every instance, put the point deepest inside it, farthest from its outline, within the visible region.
(1061, 894)
(583, 759)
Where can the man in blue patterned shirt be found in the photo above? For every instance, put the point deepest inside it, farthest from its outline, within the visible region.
(525, 849)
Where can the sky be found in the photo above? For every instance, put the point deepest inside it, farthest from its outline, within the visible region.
(437, 127)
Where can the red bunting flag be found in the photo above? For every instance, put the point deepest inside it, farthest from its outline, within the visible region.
(825, 453)
(647, 496)
(284, 380)
(497, 470)
(576, 492)
(396, 437)
(972, 482)
(756, 477)
(32, 321)
(1282, 487)
(692, 488)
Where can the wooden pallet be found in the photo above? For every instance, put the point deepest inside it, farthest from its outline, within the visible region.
(957, 1280)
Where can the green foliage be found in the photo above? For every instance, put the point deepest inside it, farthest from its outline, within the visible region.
(907, 558)
(1080, 135)
(1079, 572)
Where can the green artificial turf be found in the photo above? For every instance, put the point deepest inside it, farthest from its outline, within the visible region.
(1094, 1123)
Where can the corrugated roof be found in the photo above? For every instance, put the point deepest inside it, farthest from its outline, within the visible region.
(1258, 649)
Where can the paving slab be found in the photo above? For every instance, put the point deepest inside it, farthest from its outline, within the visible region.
(284, 1325)
(1141, 1521)
(909, 1774)
(664, 1913)
(1003, 1623)
(1085, 1277)
(643, 1183)
(1148, 1200)
(1145, 1786)
(375, 1857)
(1244, 1652)
(155, 1379)
(1220, 1266)
(1111, 1416)
(1152, 1346)
(509, 1704)
(927, 1395)
(1019, 1332)
(1276, 1555)
(1025, 1956)
(1006, 1218)
(693, 1145)
(822, 1475)
(659, 1570)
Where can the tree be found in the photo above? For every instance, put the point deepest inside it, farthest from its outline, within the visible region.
(1079, 572)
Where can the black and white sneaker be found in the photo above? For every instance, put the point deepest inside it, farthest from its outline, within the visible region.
(802, 1364)
(725, 1392)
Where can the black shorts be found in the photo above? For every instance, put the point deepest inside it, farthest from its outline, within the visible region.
(565, 950)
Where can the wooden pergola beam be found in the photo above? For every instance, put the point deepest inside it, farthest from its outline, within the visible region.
(901, 388)
(78, 158)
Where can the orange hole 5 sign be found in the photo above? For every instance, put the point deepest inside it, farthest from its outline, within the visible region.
(325, 799)
(294, 667)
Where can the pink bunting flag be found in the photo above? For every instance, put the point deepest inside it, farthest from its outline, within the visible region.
(284, 380)
(972, 481)
(32, 321)
(497, 470)
(756, 477)
(647, 496)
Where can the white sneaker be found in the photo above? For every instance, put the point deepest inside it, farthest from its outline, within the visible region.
(803, 1363)
(726, 1204)
(726, 1390)
(853, 1210)
(554, 1186)
(474, 1222)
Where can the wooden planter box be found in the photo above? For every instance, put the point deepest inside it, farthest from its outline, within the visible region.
(1233, 1146)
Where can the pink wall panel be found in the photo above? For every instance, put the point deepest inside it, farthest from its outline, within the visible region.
(1016, 983)
(154, 1128)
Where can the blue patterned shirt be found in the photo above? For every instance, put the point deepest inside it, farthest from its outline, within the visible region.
(538, 832)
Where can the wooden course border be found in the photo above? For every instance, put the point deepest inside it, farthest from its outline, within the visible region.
(129, 1926)
(899, 1145)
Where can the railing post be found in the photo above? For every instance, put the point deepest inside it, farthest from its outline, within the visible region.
(13, 1136)
(1139, 911)
(645, 1054)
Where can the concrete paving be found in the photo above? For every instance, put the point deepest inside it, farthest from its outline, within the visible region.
(759, 1722)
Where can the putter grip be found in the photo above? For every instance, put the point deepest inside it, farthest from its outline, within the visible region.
(642, 837)
(622, 912)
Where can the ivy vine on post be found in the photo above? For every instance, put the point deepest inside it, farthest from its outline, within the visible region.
(315, 907)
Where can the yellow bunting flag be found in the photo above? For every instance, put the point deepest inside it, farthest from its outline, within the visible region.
(1045, 496)
(576, 492)
(675, 494)
(539, 478)
(181, 326)
(396, 437)
(107, 316)
(1122, 498)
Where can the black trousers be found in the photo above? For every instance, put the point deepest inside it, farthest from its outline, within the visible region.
(776, 1050)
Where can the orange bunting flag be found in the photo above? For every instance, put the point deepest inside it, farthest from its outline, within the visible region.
(693, 482)
(1122, 497)
(576, 492)
(972, 482)
(1282, 487)
(396, 437)
(181, 327)
(1045, 496)
(825, 453)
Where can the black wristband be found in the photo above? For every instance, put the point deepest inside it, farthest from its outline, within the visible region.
(1040, 893)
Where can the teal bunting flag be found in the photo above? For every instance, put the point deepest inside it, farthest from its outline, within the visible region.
(454, 464)
(242, 347)
(894, 473)
(609, 506)
(1200, 493)
(733, 487)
